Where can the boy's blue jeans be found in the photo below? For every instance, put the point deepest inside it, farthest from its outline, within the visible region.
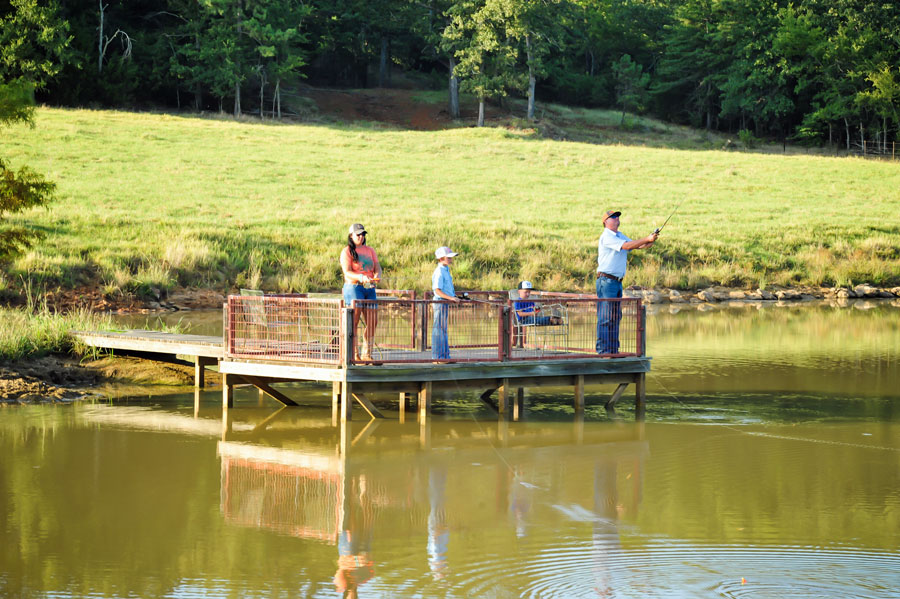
(608, 316)
(440, 345)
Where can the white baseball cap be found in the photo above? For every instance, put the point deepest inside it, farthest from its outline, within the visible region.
(526, 285)
(443, 252)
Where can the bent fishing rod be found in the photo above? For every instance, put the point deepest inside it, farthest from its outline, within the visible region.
(660, 228)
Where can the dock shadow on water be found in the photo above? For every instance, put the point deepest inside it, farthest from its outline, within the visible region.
(767, 467)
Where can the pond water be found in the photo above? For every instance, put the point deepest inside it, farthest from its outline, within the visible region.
(768, 466)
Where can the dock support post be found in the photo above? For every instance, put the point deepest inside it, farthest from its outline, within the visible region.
(335, 401)
(403, 401)
(424, 401)
(503, 397)
(579, 394)
(200, 364)
(227, 391)
(640, 395)
(519, 403)
(346, 401)
(196, 402)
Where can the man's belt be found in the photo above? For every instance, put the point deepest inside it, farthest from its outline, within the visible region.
(608, 276)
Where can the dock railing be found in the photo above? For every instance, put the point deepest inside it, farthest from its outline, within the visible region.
(408, 331)
(284, 327)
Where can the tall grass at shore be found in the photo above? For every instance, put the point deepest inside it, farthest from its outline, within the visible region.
(33, 333)
(153, 201)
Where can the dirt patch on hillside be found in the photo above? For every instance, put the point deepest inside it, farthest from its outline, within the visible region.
(396, 107)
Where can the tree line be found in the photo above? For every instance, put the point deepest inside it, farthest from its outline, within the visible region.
(810, 70)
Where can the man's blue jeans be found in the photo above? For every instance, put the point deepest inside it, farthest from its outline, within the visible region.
(608, 316)
(440, 345)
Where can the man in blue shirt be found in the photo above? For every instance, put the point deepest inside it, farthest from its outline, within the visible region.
(612, 260)
(442, 286)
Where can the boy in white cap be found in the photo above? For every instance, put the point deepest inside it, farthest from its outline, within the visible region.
(527, 311)
(442, 286)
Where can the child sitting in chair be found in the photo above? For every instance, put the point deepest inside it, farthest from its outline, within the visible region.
(527, 311)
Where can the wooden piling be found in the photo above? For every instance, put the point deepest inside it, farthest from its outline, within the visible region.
(227, 391)
(579, 394)
(335, 401)
(503, 393)
(346, 401)
(640, 395)
(424, 400)
(519, 403)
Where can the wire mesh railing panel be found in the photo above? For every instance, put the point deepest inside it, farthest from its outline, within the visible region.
(289, 500)
(281, 327)
(569, 328)
(309, 330)
(406, 331)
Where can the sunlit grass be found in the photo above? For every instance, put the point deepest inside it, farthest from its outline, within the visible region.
(156, 201)
(27, 334)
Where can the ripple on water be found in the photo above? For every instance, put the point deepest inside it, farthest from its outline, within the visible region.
(673, 569)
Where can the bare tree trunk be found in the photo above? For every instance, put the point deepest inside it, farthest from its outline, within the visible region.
(198, 89)
(884, 138)
(383, 62)
(454, 90)
(100, 41)
(276, 100)
(237, 64)
(531, 78)
(262, 87)
(829, 135)
(481, 112)
(862, 137)
(847, 130)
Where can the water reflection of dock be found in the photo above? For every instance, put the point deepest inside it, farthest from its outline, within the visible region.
(383, 479)
(285, 338)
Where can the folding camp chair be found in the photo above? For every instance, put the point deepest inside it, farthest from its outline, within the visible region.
(528, 334)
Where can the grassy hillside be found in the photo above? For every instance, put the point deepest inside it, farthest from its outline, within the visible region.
(150, 200)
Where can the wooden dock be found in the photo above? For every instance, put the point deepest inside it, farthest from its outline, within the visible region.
(277, 339)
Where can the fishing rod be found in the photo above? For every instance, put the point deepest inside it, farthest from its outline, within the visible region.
(660, 228)
(465, 296)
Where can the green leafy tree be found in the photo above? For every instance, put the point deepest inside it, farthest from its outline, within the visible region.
(34, 38)
(631, 85)
(274, 26)
(486, 53)
(23, 188)
(693, 63)
(883, 96)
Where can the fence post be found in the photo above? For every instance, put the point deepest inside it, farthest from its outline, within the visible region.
(864, 148)
(893, 149)
(347, 340)
(503, 327)
(642, 325)
(227, 338)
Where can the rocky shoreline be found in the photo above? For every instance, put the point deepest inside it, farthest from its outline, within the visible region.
(712, 295)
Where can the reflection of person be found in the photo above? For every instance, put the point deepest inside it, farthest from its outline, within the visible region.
(361, 272)
(355, 564)
(520, 500)
(606, 541)
(442, 286)
(527, 311)
(612, 260)
(438, 529)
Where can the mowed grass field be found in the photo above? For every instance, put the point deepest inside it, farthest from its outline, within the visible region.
(154, 200)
